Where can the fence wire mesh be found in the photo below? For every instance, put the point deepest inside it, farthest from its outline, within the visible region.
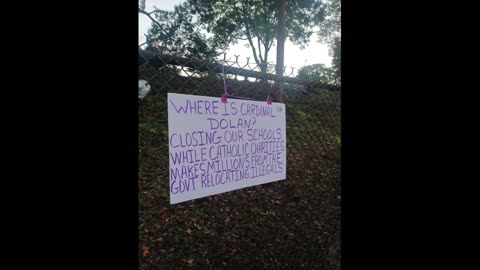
(290, 224)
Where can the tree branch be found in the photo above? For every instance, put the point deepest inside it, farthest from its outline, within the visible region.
(259, 49)
(153, 20)
(153, 11)
(149, 16)
(250, 20)
(267, 48)
(270, 45)
(249, 36)
(251, 43)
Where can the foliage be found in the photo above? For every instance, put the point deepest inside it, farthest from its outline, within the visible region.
(255, 20)
(330, 33)
(289, 224)
(177, 32)
(330, 28)
(318, 72)
(337, 60)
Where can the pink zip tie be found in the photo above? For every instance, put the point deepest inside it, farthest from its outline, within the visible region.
(269, 102)
(225, 95)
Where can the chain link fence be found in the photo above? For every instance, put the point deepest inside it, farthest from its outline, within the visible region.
(290, 224)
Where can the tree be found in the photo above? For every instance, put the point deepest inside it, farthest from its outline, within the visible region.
(330, 27)
(337, 60)
(319, 73)
(177, 32)
(330, 34)
(256, 21)
(278, 89)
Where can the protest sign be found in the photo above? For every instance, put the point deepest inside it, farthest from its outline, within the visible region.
(215, 147)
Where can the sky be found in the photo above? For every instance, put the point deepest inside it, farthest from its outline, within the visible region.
(314, 53)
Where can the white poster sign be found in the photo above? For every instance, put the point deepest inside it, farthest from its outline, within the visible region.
(215, 147)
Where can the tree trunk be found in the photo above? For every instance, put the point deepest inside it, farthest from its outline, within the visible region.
(278, 88)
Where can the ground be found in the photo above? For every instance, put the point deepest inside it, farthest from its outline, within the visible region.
(289, 224)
